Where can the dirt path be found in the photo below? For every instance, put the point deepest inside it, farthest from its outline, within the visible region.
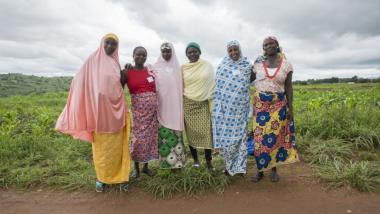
(297, 192)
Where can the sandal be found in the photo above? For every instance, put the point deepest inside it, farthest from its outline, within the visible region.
(257, 177)
(124, 187)
(100, 186)
(195, 165)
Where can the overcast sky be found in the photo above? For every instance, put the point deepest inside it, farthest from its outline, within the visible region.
(320, 38)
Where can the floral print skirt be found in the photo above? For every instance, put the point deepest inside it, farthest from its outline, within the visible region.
(144, 145)
(274, 138)
(171, 149)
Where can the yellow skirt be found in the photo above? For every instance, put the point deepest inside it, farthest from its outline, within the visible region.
(111, 155)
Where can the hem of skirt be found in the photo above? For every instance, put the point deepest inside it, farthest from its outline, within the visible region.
(279, 164)
(232, 174)
(146, 160)
(199, 147)
(113, 182)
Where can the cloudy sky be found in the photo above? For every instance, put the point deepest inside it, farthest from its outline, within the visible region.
(321, 38)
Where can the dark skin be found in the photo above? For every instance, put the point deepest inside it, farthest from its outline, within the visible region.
(273, 60)
(234, 52)
(193, 54)
(139, 56)
(166, 54)
(110, 46)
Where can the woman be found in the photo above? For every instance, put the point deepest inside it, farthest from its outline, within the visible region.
(96, 112)
(273, 116)
(198, 78)
(231, 109)
(170, 108)
(142, 87)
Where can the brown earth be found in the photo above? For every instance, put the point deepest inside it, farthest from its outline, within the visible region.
(297, 192)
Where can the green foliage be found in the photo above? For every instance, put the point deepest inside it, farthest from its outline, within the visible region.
(337, 128)
(188, 181)
(362, 175)
(19, 84)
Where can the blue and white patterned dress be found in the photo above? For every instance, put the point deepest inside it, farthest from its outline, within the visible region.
(230, 112)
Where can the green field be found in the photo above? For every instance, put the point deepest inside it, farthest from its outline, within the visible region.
(337, 133)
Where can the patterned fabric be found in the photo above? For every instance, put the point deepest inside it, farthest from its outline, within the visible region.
(171, 149)
(111, 155)
(230, 111)
(144, 146)
(273, 133)
(274, 83)
(198, 123)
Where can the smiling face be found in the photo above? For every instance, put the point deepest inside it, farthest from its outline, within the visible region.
(193, 54)
(270, 47)
(166, 54)
(110, 46)
(139, 56)
(234, 52)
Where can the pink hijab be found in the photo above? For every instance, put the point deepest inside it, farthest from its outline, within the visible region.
(169, 91)
(96, 100)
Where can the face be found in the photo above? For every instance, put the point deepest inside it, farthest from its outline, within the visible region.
(270, 47)
(140, 56)
(234, 52)
(110, 46)
(166, 54)
(193, 54)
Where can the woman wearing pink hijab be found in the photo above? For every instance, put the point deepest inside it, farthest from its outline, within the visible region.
(170, 108)
(96, 112)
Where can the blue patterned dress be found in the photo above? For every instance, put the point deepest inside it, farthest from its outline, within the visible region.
(230, 112)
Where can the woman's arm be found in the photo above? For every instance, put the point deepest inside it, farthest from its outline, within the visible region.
(253, 75)
(289, 94)
(124, 74)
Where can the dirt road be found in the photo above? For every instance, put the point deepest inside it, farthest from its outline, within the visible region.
(297, 192)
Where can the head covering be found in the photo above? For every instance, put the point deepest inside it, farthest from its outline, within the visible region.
(233, 43)
(112, 36)
(166, 45)
(227, 64)
(194, 45)
(169, 90)
(96, 100)
(262, 57)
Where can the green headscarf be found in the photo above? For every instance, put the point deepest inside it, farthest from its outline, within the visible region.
(194, 45)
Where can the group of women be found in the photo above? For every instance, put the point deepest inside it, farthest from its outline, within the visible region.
(168, 100)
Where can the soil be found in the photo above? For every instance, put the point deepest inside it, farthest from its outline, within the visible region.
(296, 192)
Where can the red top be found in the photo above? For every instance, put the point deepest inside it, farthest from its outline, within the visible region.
(140, 81)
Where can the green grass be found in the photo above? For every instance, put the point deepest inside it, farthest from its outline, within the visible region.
(187, 181)
(337, 132)
(362, 175)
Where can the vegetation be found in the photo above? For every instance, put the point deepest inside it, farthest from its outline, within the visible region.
(337, 128)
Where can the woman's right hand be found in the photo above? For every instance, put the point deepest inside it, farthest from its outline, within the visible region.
(128, 66)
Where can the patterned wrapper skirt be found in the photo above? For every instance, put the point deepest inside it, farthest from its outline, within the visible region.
(145, 125)
(171, 149)
(198, 123)
(274, 137)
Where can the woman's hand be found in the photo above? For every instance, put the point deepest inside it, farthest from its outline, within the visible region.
(128, 66)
